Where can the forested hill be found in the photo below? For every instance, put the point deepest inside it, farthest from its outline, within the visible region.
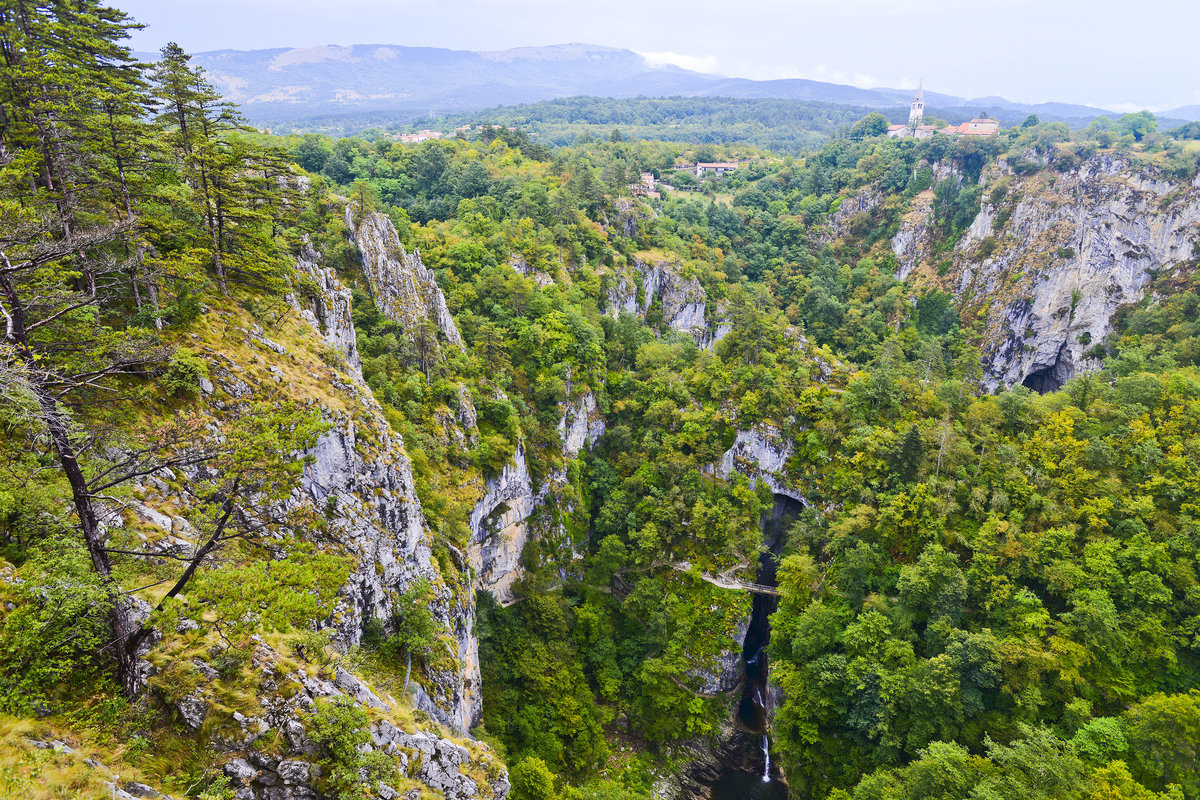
(341, 90)
(354, 469)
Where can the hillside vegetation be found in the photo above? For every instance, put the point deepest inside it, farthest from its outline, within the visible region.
(274, 408)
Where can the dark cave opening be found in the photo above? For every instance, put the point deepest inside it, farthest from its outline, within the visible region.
(1042, 381)
(1051, 378)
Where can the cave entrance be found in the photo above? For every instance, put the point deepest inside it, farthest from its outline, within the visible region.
(1042, 381)
(1051, 378)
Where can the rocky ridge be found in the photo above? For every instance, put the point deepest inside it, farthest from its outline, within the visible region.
(361, 477)
(404, 288)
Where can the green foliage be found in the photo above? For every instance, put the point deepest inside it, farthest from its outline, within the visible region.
(54, 628)
(991, 596)
(1137, 125)
(184, 372)
(268, 594)
(531, 779)
(873, 124)
(1163, 731)
(339, 729)
(536, 699)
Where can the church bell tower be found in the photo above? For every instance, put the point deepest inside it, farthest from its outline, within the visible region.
(916, 111)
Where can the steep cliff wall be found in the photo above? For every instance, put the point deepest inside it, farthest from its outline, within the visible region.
(326, 306)
(683, 300)
(499, 528)
(404, 288)
(1051, 257)
(581, 424)
(360, 478)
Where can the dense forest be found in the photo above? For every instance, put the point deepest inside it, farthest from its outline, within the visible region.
(986, 594)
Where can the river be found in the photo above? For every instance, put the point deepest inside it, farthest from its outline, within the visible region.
(753, 713)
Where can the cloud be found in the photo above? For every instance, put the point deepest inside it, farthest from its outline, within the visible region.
(1133, 108)
(695, 63)
(859, 79)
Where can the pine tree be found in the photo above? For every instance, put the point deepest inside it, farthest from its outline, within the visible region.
(911, 456)
(238, 188)
(65, 76)
(75, 186)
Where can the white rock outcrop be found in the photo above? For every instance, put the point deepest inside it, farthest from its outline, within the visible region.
(761, 454)
(329, 311)
(404, 288)
(286, 770)
(499, 527)
(683, 299)
(581, 424)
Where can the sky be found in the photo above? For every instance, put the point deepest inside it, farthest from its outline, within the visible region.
(1113, 54)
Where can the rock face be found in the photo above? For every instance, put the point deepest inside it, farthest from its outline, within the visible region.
(404, 288)
(287, 769)
(682, 299)
(727, 673)
(521, 267)
(502, 521)
(1063, 258)
(329, 310)
(581, 425)
(865, 201)
(761, 454)
(437, 763)
(373, 508)
(361, 478)
(707, 763)
(500, 528)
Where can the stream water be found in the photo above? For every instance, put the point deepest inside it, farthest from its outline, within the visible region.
(753, 713)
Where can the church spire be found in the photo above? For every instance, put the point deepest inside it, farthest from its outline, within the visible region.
(916, 111)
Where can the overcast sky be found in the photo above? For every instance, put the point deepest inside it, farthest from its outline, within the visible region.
(1111, 53)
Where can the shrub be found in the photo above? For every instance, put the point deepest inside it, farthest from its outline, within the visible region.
(56, 626)
(184, 372)
(532, 780)
(339, 729)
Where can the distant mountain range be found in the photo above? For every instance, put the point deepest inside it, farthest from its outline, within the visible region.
(288, 88)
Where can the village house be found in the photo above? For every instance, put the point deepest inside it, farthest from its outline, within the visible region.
(419, 136)
(715, 167)
(980, 126)
(646, 186)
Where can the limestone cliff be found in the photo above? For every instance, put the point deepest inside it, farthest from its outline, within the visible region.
(682, 300)
(1051, 257)
(761, 454)
(361, 479)
(503, 520)
(404, 288)
(581, 424)
(325, 304)
(499, 528)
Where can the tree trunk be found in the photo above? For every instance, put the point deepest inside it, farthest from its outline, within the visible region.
(120, 622)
